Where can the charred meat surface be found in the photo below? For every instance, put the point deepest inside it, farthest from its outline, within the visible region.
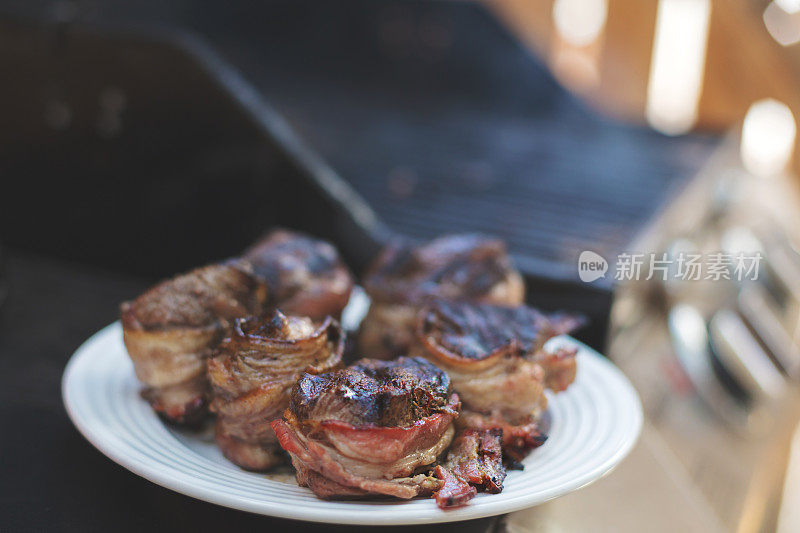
(474, 463)
(369, 429)
(496, 359)
(305, 276)
(171, 329)
(252, 374)
(404, 277)
(374, 392)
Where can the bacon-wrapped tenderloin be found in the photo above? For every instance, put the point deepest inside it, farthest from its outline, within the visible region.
(496, 359)
(405, 277)
(252, 374)
(305, 276)
(171, 329)
(371, 429)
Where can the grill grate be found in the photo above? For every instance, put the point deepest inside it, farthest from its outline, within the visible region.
(442, 121)
(472, 136)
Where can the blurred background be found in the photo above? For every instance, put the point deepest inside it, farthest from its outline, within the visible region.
(141, 139)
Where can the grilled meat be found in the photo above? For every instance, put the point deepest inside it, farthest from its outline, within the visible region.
(305, 276)
(170, 330)
(369, 429)
(252, 374)
(496, 359)
(474, 462)
(404, 277)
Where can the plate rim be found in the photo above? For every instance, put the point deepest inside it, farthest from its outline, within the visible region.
(99, 439)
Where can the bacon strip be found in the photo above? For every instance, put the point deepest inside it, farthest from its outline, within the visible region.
(385, 444)
(559, 367)
(517, 439)
(456, 491)
(475, 462)
(327, 477)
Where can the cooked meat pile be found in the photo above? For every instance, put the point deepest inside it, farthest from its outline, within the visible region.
(405, 277)
(474, 462)
(170, 330)
(369, 429)
(305, 276)
(259, 336)
(496, 359)
(252, 374)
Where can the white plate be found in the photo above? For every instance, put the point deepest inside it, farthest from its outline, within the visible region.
(595, 423)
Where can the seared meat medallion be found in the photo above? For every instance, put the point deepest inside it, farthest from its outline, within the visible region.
(305, 276)
(404, 277)
(370, 429)
(496, 360)
(171, 329)
(252, 374)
